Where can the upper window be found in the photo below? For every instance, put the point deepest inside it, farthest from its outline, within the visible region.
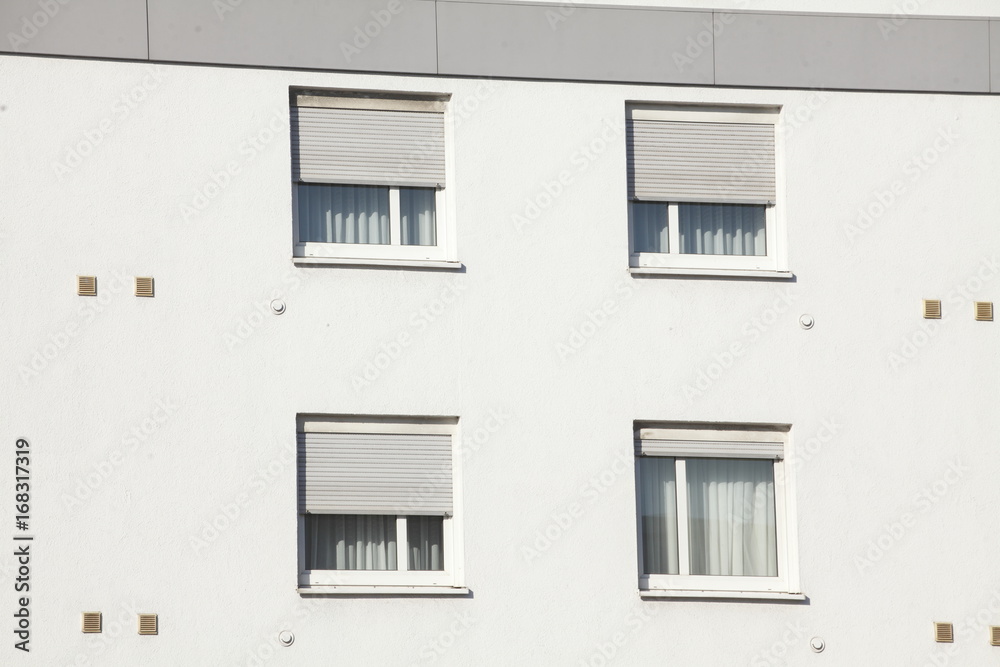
(368, 178)
(377, 504)
(702, 189)
(713, 511)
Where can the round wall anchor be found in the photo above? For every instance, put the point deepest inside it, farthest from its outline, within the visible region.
(286, 638)
(277, 306)
(817, 644)
(807, 321)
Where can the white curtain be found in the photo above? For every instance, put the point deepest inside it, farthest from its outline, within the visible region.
(343, 213)
(658, 489)
(732, 517)
(649, 227)
(350, 542)
(417, 216)
(722, 229)
(425, 543)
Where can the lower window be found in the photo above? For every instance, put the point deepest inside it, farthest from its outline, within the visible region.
(713, 510)
(378, 504)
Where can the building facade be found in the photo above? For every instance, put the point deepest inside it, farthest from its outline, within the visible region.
(460, 333)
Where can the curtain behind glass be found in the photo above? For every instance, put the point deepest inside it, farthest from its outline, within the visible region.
(658, 489)
(649, 227)
(343, 213)
(417, 216)
(722, 229)
(425, 542)
(350, 542)
(732, 520)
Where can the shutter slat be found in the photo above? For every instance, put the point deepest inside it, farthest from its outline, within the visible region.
(365, 473)
(681, 161)
(404, 148)
(711, 449)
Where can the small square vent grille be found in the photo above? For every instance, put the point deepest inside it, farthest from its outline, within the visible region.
(932, 309)
(144, 286)
(91, 621)
(943, 633)
(995, 635)
(86, 285)
(148, 624)
(984, 311)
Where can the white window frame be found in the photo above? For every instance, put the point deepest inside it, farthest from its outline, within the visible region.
(444, 254)
(671, 261)
(449, 579)
(684, 584)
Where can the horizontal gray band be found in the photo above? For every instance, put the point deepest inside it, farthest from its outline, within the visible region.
(560, 41)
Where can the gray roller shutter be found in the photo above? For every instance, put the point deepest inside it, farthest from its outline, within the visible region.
(365, 473)
(730, 449)
(368, 146)
(677, 161)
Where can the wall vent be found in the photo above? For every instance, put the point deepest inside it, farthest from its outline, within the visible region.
(86, 285)
(91, 621)
(932, 309)
(995, 635)
(984, 311)
(944, 633)
(148, 624)
(144, 286)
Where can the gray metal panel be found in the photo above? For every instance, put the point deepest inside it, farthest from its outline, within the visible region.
(995, 56)
(368, 147)
(96, 28)
(323, 34)
(343, 473)
(871, 53)
(572, 42)
(711, 449)
(701, 162)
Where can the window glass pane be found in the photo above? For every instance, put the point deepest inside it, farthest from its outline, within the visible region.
(425, 542)
(658, 503)
(350, 542)
(722, 229)
(343, 213)
(649, 226)
(731, 508)
(417, 216)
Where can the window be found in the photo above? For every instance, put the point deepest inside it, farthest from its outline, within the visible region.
(368, 176)
(713, 510)
(378, 504)
(703, 190)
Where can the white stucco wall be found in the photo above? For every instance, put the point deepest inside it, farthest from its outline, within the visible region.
(116, 514)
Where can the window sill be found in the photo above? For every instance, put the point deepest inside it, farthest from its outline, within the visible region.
(401, 263)
(382, 590)
(723, 595)
(711, 273)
